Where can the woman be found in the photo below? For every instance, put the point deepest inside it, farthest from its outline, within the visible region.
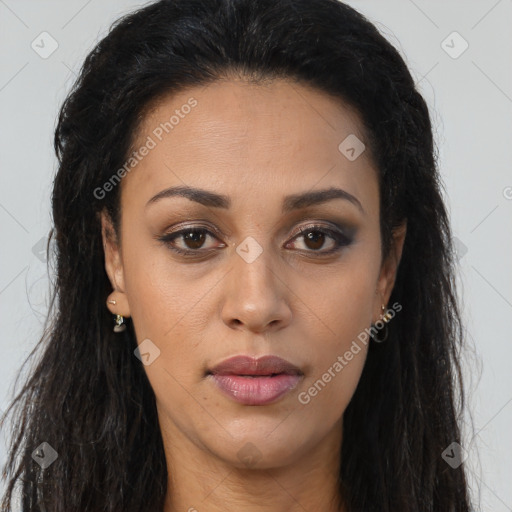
(255, 305)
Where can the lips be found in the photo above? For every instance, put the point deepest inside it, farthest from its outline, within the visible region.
(255, 381)
(244, 365)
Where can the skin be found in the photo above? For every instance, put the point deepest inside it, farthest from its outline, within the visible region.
(255, 144)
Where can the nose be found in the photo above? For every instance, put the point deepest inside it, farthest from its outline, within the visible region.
(255, 295)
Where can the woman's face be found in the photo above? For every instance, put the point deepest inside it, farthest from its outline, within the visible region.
(248, 283)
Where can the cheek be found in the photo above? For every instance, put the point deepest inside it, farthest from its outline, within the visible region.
(171, 307)
(168, 310)
(172, 316)
(341, 302)
(154, 286)
(342, 307)
(337, 360)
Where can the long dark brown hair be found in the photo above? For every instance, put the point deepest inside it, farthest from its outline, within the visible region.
(88, 397)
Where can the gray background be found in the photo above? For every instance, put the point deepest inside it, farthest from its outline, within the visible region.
(470, 96)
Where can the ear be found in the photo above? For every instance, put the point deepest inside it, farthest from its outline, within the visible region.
(389, 270)
(114, 266)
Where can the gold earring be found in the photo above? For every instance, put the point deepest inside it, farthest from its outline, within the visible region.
(120, 325)
(386, 317)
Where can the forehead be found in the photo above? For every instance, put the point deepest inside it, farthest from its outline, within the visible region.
(269, 137)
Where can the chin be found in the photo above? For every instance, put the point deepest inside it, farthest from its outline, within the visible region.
(253, 445)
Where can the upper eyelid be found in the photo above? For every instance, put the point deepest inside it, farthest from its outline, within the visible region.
(319, 226)
(310, 225)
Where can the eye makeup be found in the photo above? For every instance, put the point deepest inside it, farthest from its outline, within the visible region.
(190, 240)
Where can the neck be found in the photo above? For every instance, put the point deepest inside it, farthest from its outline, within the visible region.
(201, 482)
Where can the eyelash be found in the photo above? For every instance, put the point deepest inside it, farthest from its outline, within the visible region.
(341, 240)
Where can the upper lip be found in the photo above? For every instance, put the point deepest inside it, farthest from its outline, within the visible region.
(245, 365)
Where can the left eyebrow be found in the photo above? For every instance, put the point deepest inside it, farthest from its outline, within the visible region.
(290, 202)
(305, 199)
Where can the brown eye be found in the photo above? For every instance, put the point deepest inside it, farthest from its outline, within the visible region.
(193, 239)
(188, 241)
(316, 237)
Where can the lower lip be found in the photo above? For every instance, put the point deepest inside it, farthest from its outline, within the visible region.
(256, 390)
